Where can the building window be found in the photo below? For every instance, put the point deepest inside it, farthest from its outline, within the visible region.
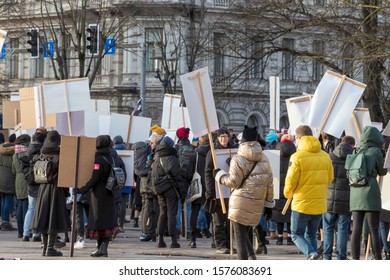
(219, 58)
(221, 3)
(319, 2)
(318, 67)
(257, 63)
(348, 60)
(154, 41)
(14, 59)
(288, 59)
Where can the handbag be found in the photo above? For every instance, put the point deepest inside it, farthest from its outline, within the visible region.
(195, 188)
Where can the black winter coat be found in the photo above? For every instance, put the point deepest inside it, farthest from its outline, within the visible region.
(202, 151)
(286, 150)
(339, 189)
(102, 205)
(33, 149)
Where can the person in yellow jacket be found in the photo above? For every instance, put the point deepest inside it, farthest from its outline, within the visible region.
(309, 174)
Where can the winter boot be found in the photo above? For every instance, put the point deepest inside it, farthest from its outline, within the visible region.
(51, 251)
(192, 243)
(98, 245)
(261, 248)
(161, 243)
(289, 241)
(174, 243)
(135, 222)
(102, 248)
(387, 255)
(44, 244)
(279, 241)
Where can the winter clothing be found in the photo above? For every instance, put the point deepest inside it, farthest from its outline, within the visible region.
(249, 134)
(117, 140)
(271, 136)
(157, 129)
(7, 178)
(183, 132)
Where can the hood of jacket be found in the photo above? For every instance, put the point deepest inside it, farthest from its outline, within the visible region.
(371, 137)
(163, 149)
(341, 151)
(309, 144)
(7, 149)
(250, 150)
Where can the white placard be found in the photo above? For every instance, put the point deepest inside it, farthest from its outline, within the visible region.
(384, 184)
(3, 35)
(297, 110)
(378, 125)
(387, 159)
(67, 96)
(128, 158)
(221, 155)
(274, 160)
(359, 119)
(334, 99)
(139, 127)
(82, 123)
(104, 124)
(200, 101)
(170, 101)
(101, 106)
(386, 131)
(274, 92)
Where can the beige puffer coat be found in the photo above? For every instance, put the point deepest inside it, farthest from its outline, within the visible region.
(246, 203)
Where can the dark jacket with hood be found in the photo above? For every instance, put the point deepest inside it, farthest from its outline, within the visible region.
(7, 178)
(202, 151)
(368, 197)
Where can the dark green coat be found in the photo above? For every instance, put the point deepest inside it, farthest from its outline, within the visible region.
(20, 181)
(368, 197)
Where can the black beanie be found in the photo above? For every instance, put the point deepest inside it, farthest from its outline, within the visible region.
(249, 134)
(23, 139)
(12, 138)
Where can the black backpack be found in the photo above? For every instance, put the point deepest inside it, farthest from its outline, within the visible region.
(187, 156)
(117, 179)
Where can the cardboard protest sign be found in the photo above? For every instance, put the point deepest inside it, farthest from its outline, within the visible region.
(221, 156)
(3, 35)
(11, 114)
(359, 119)
(334, 100)
(131, 128)
(128, 158)
(77, 156)
(200, 101)
(170, 101)
(67, 96)
(274, 160)
(297, 110)
(32, 110)
(274, 93)
(384, 183)
(101, 106)
(82, 123)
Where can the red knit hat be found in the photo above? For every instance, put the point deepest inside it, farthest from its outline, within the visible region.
(183, 132)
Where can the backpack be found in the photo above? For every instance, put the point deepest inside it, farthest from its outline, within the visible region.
(356, 167)
(117, 179)
(186, 154)
(44, 171)
(141, 151)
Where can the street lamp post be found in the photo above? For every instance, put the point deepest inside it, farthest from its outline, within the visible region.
(165, 72)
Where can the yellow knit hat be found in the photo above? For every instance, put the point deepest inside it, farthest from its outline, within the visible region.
(157, 129)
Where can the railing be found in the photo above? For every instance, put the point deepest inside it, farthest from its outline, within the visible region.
(222, 3)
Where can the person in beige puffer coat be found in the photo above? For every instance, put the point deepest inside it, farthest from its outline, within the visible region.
(250, 177)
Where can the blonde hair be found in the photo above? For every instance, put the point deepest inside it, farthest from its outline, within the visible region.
(155, 138)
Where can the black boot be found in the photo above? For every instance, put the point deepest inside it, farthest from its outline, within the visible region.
(51, 251)
(44, 238)
(289, 241)
(135, 222)
(279, 241)
(174, 243)
(261, 248)
(98, 245)
(102, 248)
(161, 243)
(192, 243)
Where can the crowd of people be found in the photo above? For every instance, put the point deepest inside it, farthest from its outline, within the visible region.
(313, 182)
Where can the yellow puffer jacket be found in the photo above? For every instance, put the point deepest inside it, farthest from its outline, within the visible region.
(246, 203)
(309, 174)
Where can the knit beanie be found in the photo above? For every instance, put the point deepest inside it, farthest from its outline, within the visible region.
(249, 134)
(12, 138)
(23, 139)
(183, 132)
(222, 131)
(117, 140)
(271, 136)
(157, 129)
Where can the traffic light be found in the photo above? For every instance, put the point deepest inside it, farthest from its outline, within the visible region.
(33, 42)
(93, 38)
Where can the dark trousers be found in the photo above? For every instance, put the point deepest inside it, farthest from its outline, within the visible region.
(244, 244)
(221, 227)
(195, 208)
(373, 225)
(122, 210)
(149, 214)
(168, 209)
(80, 208)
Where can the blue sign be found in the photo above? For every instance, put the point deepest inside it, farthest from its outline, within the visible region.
(109, 46)
(3, 52)
(48, 49)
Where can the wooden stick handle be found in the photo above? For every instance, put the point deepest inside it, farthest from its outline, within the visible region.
(285, 208)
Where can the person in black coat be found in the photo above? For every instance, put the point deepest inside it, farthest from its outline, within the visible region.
(101, 219)
(51, 216)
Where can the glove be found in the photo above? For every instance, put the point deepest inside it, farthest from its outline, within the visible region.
(268, 213)
(150, 157)
(228, 160)
(215, 171)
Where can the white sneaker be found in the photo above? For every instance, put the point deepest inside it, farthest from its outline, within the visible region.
(80, 244)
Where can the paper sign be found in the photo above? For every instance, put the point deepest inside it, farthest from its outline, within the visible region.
(200, 101)
(386, 131)
(384, 183)
(67, 96)
(334, 99)
(221, 156)
(104, 125)
(274, 160)
(77, 156)
(128, 158)
(11, 114)
(274, 91)
(139, 127)
(387, 159)
(170, 101)
(3, 35)
(359, 119)
(82, 123)
(378, 125)
(297, 110)
(101, 106)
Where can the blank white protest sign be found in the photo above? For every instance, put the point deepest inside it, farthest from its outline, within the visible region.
(170, 101)
(297, 110)
(356, 123)
(139, 127)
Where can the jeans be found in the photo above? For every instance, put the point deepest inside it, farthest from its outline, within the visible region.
(21, 214)
(7, 203)
(29, 216)
(179, 216)
(384, 231)
(330, 221)
(244, 245)
(304, 230)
